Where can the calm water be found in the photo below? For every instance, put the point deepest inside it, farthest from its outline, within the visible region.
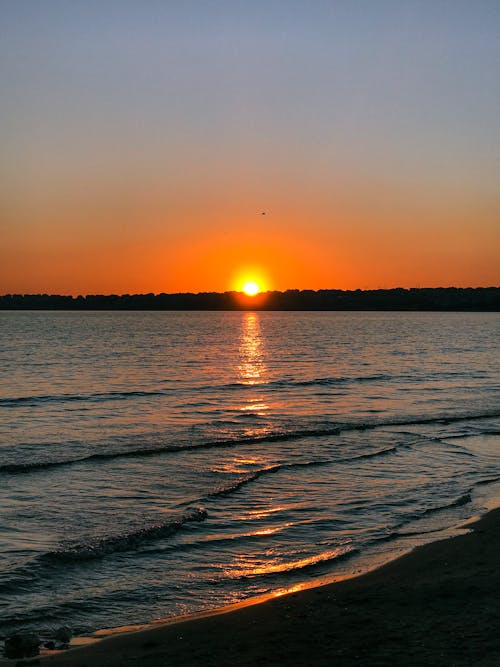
(153, 464)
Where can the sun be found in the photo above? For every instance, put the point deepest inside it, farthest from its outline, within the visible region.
(250, 282)
(251, 288)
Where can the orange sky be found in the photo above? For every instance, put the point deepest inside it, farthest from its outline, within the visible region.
(357, 238)
(140, 148)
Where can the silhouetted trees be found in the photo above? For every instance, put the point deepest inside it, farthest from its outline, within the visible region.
(437, 298)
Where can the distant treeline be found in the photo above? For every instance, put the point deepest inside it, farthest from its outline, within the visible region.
(439, 298)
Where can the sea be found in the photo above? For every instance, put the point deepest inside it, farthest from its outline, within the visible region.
(155, 464)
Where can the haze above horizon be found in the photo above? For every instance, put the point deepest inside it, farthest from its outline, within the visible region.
(198, 147)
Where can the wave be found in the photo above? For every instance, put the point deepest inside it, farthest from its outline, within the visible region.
(268, 531)
(32, 401)
(225, 490)
(411, 533)
(235, 485)
(371, 455)
(332, 429)
(292, 567)
(491, 480)
(34, 466)
(320, 382)
(104, 546)
(463, 500)
(42, 399)
(342, 380)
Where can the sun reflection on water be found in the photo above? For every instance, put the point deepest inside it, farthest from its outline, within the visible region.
(251, 566)
(252, 367)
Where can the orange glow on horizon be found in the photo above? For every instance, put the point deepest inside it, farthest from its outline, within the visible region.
(348, 249)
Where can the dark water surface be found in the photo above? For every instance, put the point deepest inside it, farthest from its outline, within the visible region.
(158, 463)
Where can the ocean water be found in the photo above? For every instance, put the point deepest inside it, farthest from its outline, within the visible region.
(161, 463)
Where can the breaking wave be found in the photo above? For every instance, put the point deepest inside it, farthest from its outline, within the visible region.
(130, 541)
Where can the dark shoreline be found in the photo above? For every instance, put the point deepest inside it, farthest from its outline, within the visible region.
(437, 299)
(438, 605)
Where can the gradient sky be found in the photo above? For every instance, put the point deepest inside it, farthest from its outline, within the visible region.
(140, 142)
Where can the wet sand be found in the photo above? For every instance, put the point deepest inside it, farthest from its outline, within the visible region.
(438, 605)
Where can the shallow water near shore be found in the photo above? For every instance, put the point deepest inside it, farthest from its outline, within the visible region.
(158, 464)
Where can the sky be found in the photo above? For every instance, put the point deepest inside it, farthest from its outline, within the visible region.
(191, 145)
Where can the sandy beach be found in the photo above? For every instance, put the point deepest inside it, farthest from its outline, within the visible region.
(438, 605)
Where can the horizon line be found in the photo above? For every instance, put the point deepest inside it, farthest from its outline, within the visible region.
(240, 292)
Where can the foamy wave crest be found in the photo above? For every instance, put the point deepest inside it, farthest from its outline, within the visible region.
(125, 542)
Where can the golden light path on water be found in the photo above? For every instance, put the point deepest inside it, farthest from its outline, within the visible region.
(253, 372)
(252, 368)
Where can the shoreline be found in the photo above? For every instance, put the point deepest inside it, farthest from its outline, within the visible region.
(439, 604)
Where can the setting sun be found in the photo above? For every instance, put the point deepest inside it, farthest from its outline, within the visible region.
(251, 288)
